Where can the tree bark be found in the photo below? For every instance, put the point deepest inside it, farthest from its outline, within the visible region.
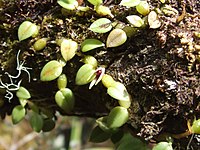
(159, 67)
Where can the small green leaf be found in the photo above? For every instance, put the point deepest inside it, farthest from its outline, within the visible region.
(90, 60)
(68, 49)
(85, 74)
(117, 117)
(68, 4)
(103, 10)
(118, 91)
(102, 123)
(98, 135)
(33, 107)
(48, 125)
(23, 102)
(62, 81)
(51, 71)
(196, 127)
(95, 2)
(116, 38)
(23, 93)
(40, 44)
(36, 122)
(65, 99)
(163, 146)
(90, 44)
(18, 113)
(143, 8)
(135, 20)
(101, 25)
(128, 142)
(26, 30)
(129, 3)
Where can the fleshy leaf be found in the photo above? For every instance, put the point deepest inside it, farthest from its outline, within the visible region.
(51, 71)
(95, 2)
(68, 4)
(116, 38)
(23, 93)
(101, 25)
(163, 146)
(18, 113)
(85, 74)
(98, 135)
(62, 81)
(129, 3)
(23, 102)
(26, 30)
(36, 122)
(90, 44)
(68, 49)
(65, 99)
(48, 125)
(118, 91)
(128, 142)
(117, 117)
(135, 20)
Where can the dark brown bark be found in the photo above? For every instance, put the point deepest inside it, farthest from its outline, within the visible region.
(160, 73)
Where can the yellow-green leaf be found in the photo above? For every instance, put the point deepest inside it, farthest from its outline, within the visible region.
(23, 93)
(51, 71)
(101, 25)
(85, 74)
(116, 38)
(68, 49)
(65, 99)
(129, 3)
(18, 113)
(68, 4)
(26, 30)
(135, 20)
(90, 44)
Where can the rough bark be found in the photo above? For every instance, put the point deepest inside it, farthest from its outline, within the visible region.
(161, 73)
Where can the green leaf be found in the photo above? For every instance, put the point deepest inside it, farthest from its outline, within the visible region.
(101, 25)
(163, 146)
(196, 126)
(51, 71)
(62, 81)
(117, 117)
(116, 38)
(48, 125)
(36, 122)
(135, 20)
(68, 4)
(129, 3)
(118, 91)
(98, 135)
(95, 2)
(18, 113)
(90, 44)
(68, 49)
(23, 93)
(65, 99)
(23, 102)
(128, 142)
(85, 74)
(33, 107)
(26, 30)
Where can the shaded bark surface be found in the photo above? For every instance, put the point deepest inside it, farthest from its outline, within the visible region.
(161, 73)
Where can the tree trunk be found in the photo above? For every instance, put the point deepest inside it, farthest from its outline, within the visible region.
(159, 67)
